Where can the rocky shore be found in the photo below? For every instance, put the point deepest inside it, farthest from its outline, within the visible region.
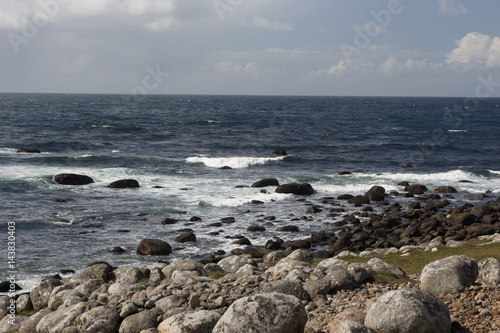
(294, 286)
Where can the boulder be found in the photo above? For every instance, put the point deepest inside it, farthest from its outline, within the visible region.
(61, 297)
(186, 237)
(124, 183)
(23, 303)
(489, 271)
(140, 321)
(255, 228)
(101, 271)
(169, 221)
(351, 315)
(408, 311)
(349, 326)
(72, 179)
(41, 294)
(449, 275)
(317, 287)
(314, 209)
(340, 279)
(271, 312)
(359, 200)
(286, 265)
(376, 193)
(184, 265)
(301, 255)
(102, 319)
(446, 189)
(378, 265)
(153, 247)
(232, 263)
(416, 189)
(58, 320)
(279, 152)
(288, 228)
(274, 256)
(5, 287)
(128, 274)
(8, 324)
(190, 322)
(294, 188)
(286, 287)
(266, 183)
(29, 325)
(29, 151)
(461, 219)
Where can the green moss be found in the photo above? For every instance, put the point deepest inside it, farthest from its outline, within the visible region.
(216, 275)
(143, 280)
(28, 312)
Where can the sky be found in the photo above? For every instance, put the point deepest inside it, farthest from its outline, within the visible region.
(252, 47)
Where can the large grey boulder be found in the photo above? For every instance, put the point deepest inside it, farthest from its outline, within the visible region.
(190, 322)
(101, 271)
(378, 265)
(128, 274)
(102, 319)
(61, 297)
(489, 271)
(273, 312)
(29, 325)
(408, 311)
(340, 279)
(449, 275)
(286, 287)
(57, 321)
(301, 255)
(41, 294)
(140, 321)
(232, 263)
(274, 256)
(286, 265)
(184, 265)
(317, 287)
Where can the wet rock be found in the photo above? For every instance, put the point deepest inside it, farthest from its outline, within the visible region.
(359, 200)
(462, 219)
(408, 311)
(5, 286)
(345, 197)
(169, 221)
(186, 237)
(449, 275)
(124, 183)
(273, 312)
(416, 189)
(376, 193)
(255, 228)
(446, 189)
(266, 183)
(294, 188)
(72, 179)
(153, 247)
(279, 152)
(29, 151)
(288, 228)
(314, 210)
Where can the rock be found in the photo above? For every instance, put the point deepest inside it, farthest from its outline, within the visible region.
(317, 287)
(475, 230)
(61, 297)
(279, 152)
(273, 312)
(408, 311)
(343, 173)
(124, 183)
(294, 188)
(286, 287)
(351, 314)
(489, 271)
(286, 265)
(88, 287)
(72, 179)
(266, 183)
(190, 322)
(8, 324)
(41, 294)
(359, 272)
(101, 271)
(314, 210)
(58, 320)
(184, 265)
(288, 228)
(169, 221)
(359, 200)
(5, 287)
(102, 319)
(301, 255)
(128, 274)
(352, 327)
(461, 219)
(376, 193)
(449, 275)
(416, 189)
(274, 256)
(378, 265)
(23, 303)
(446, 189)
(345, 197)
(140, 321)
(153, 247)
(255, 228)
(186, 237)
(232, 263)
(29, 325)
(167, 303)
(29, 151)
(340, 279)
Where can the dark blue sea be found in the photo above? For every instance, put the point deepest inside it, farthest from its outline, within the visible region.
(174, 146)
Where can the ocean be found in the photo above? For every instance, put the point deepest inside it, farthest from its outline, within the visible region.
(175, 147)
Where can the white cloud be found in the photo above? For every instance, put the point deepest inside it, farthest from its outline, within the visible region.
(162, 24)
(391, 65)
(228, 67)
(78, 65)
(261, 22)
(476, 49)
(334, 70)
(451, 7)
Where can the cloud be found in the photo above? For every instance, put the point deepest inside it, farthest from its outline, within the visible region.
(476, 49)
(334, 70)
(391, 65)
(78, 65)
(451, 7)
(261, 22)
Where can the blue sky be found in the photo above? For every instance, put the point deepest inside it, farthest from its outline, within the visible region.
(278, 47)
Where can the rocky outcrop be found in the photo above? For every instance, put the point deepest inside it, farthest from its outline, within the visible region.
(41, 294)
(449, 275)
(72, 179)
(153, 247)
(124, 183)
(270, 312)
(376, 193)
(294, 188)
(408, 311)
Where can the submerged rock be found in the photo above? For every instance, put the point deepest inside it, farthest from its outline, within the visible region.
(279, 152)
(295, 188)
(124, 183)
(72, 179)
(29, 151)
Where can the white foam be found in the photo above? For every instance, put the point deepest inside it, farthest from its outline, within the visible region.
(233, 162)
(9, 151)
(457, 131)
(494, 172)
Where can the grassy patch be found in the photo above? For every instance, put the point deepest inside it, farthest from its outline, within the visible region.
(388, 278)
(416, 261)
(28, 312)
(216, 275)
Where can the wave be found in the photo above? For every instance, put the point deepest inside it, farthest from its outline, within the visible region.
(232, 162)
(494, 172)
(457, 131)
